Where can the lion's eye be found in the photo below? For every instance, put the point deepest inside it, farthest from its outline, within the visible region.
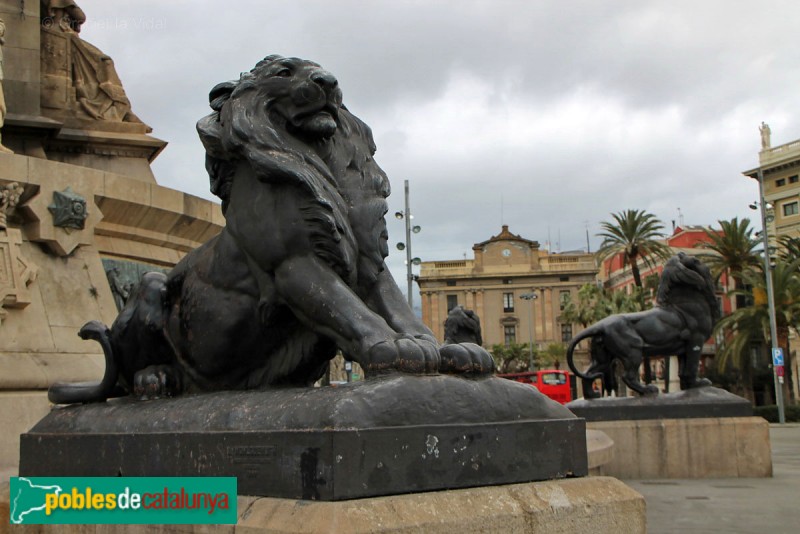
(284, 72)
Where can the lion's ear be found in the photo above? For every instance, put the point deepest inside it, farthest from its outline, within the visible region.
(220, 94)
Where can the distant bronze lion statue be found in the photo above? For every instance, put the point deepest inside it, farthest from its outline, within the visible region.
(682, 320)
(298, 271)
(462, 326)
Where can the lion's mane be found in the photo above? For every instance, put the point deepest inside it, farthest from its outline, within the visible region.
(343, 187)
(684, 271)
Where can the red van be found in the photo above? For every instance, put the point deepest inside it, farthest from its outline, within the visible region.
(552, 382)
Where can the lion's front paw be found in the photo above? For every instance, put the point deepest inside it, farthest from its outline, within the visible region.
(696, 383)
(649, 389)
(466, 358)
(405, 354)
(155, 382)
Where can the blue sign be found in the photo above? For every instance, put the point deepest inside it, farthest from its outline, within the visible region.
(777, 356)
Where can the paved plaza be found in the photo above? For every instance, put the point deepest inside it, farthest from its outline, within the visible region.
(768, 505)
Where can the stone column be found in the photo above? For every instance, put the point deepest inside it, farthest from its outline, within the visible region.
(2, 95)
(436, 323)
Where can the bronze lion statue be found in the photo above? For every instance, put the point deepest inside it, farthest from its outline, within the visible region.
(462, 326)
(682, 320)
(298, 271)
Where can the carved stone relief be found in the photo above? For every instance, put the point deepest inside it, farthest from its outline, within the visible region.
(61, 218)
(68, 209)
(16, 271)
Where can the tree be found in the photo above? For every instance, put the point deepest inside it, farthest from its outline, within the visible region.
(789, 248)
(553, 355)
(514, 357)
(634, 234)
(749, 326)
(595, 303)
(734, 250)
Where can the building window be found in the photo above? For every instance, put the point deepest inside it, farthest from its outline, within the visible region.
(451, 282)
(563, 278)
(780, 182)
(566, 333)
(452, 302)
(506, 280)
(790, 208)
(510, 334)
(793, 179)
(563, 299)
(508, 302)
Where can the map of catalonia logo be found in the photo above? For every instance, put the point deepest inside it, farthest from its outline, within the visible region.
(122, 500)
(27, 500)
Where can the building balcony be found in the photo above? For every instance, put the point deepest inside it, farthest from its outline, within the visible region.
(557, 263)
(450, 268)
(788, 151)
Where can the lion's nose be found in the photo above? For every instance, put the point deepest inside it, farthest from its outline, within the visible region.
(325, 79)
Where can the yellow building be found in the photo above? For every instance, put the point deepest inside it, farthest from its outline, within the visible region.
(780, 166)
(505, 269)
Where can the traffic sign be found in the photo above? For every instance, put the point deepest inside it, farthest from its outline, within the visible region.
(777, 356)
(779, 371)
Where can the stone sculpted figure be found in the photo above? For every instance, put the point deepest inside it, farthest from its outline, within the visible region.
(119, 289)
(298, 271)
(98, 89)
(2, 95)
(462, 326)
(683, 318)
(62, 13)
(765, 135)
(9, 198)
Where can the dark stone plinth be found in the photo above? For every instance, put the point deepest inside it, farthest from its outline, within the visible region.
(398, 434)
(690, 403)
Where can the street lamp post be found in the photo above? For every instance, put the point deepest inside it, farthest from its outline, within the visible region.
(773, 329)
(406, 216)
(530, 297)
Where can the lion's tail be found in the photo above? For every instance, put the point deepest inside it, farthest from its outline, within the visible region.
(587, 333)
(63, 393)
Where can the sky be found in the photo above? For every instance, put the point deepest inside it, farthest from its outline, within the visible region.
(546, 115)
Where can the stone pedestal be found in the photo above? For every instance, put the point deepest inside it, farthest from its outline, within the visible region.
(714, 447)
(391, 435)
(691, 403)
(595, 504)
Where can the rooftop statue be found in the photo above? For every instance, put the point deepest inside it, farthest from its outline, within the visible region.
(765, 135)
(297, 273)
(680, 323)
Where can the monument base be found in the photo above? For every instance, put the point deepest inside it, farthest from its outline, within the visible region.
(387, 436)
(594, 504)
(710, 447)
(690, 403)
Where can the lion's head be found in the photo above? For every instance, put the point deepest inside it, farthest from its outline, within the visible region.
(286, 120)
(684, 271)
(297, 93)
(274, 115)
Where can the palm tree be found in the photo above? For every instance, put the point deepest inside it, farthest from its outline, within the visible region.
(595, 303)
(734, 250)
(749, 326)
(634, 234)
(789, 247)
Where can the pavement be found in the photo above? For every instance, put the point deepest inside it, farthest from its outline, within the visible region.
(762, 505)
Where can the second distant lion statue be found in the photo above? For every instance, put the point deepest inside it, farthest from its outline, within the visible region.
(680, 323)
